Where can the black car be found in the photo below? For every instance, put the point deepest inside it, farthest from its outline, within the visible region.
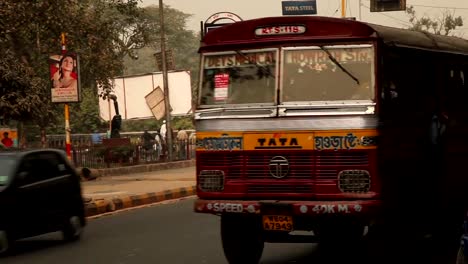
(40, 192)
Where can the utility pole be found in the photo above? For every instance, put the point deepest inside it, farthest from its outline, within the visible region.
(343, 8)
(167, 104)
(66, 110)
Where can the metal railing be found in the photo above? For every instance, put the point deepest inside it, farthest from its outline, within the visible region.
(87, 154)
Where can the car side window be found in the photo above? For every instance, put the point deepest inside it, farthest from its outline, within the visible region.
(26, 171)
(58, 164)
(41, 166)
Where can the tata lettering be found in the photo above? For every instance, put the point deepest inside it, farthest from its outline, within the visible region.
(278, 143)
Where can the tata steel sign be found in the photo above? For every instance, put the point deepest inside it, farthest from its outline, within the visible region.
(292, 8)
(387, 5)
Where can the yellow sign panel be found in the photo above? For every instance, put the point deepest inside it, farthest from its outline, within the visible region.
(335, 140)
(313, 140)
(220, 141)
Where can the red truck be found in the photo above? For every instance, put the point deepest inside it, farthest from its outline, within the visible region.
(331, 126)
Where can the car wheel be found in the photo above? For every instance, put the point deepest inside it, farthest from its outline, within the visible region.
(242, 240)
(73, 229)
(4, 242)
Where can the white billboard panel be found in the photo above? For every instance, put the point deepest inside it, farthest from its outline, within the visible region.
(132, 90)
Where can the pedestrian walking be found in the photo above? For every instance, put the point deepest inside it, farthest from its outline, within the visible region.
(182, 139)
(148, 141)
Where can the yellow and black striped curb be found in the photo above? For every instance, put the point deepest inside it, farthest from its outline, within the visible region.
(103, 206)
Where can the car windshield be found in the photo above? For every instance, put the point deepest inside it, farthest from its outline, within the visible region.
(6, 166)
(239, 77)
(330, 73)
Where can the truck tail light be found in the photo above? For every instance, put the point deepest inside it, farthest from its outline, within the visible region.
(211, 180)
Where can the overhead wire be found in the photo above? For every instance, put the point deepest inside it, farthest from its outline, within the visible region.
(433, 6)
(337, 9)
(446, 7)
(407, 23)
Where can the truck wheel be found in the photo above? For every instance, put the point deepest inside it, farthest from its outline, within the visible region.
(242, 239)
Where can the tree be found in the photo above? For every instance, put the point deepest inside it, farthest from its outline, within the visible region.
(30, 32)
(103, 32)
(182, 42)
(443, 25)
(85, 115)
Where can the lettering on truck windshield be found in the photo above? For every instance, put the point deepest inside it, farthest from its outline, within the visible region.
(308, 74)
(239, 78)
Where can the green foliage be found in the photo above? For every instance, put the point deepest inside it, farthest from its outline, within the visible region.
(87, 113)
(84, 116)
(141, 125)
(179, 123)
(183, 43)
(154, 125)
(28, 39)
(443, 25)
(107, 34)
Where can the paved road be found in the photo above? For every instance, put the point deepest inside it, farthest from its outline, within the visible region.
(171, 233)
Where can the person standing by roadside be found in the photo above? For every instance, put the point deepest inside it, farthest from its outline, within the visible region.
(158, 145)
(147, 141)
(163, 130)
(162, 133)
(182, 139)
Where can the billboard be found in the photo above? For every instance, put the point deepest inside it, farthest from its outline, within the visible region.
(292, 8)
(65, 78)
(9, 138)
(387, 5)
(136, 100)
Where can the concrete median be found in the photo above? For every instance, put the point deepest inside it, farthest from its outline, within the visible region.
(102, 206)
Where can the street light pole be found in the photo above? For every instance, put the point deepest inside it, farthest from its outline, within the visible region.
(343, 8)
(167, 104)
(66, 108)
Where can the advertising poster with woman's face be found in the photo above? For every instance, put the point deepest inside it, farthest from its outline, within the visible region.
(64, 76)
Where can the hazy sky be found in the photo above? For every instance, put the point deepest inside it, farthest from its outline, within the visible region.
(248, 9)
